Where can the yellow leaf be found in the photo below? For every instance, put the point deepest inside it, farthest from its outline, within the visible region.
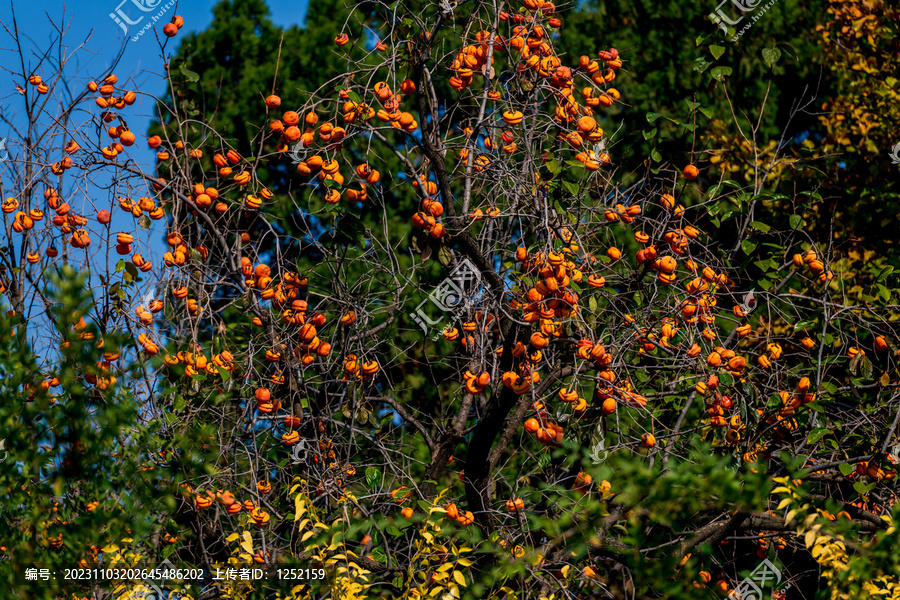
(110, 548)
(299, 507)
(247, 544)
(445, 567)
(466, 562)
(459, 578)
(232, 537)
(810, 538)
(780, 490)
(307, 535)
(784, 502)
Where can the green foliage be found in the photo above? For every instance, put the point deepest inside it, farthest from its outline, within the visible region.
(74, 452)
(683, 65)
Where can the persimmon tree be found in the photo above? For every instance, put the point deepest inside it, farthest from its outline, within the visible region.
(570, 380)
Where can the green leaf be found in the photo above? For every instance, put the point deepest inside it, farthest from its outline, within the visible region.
(800, 325)
(444, 255)
(353, 96)
(652, 116)
(863, 488)
(188, 74)
(845, 469)
(373, 477)
(854, 364)
(392, 531)
(716, 51)
(655, 155)
(706, 112)
(701, 64)
(132, 270)
(758, 225)
(884, 273)
(771, 56)
(865, 367)
(720, 73)
(571, 187)
(120, 266)
(225, 374)
(764, 265)
(553, 166)
(816, 434)
(795, 221)
(748, 246)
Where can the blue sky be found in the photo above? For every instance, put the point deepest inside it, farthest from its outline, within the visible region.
(98, 39)
(89, 24)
